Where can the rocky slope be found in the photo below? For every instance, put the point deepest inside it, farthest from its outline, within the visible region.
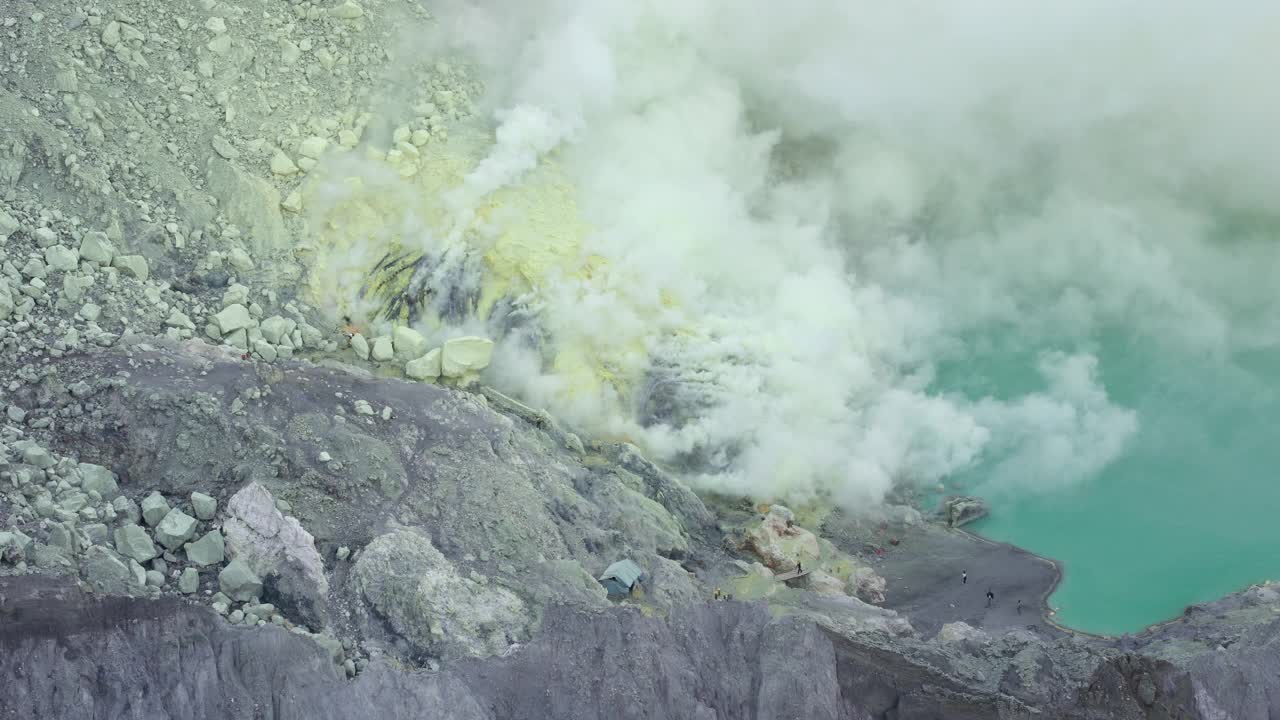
(213, 503)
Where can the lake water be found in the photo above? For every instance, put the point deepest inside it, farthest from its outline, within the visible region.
(1188, 512)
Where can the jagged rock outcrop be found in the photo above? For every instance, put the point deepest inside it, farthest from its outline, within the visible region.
(715, 660)
(276, 548)
(962, 510)
(429, 603)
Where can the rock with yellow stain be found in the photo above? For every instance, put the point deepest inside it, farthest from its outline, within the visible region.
(825, 583)
(425, 368)
(464, 355)
(282, 165)
(780, 543)
(409, 344)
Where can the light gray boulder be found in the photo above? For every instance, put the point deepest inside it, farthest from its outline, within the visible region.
(426, 600)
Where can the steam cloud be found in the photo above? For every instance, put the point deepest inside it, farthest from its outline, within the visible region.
(807, 208)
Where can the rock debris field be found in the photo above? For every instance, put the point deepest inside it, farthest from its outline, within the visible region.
(214, 484)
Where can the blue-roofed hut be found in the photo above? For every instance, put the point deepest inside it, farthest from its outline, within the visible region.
(621, 578)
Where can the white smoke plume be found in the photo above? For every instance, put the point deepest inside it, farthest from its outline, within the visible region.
(807, 207)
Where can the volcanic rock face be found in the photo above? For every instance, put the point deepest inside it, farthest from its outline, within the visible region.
(499, 596)
(727, 660)
(426, 601)
(958, 511)
(275, 546)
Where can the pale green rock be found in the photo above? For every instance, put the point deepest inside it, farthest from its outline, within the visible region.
(465, 355)
(233, 317)
(50, 557)
(360, 346)
(238, 338)
(73, 502)
(96, 478)
(97, 533)
(208, 550)
(266, 351)
(382, 350)
(175, 529)
(189, 581)
(127, 510)
(61, 258)
(204, 506)
(239, 582)
(179, 319)
(74, 286)
(97, 248)
(138, 572)
(262, 610)
(425, 599)
(275, 328)
(237, 294)
(409, 344)
(39, 457)
(13, 545)
(154, 508)
(155, 578)
(8, 224)
(424, 368)
(62, 537)
(132, 265)
(240, 260)
(133, 542)
(107, 573)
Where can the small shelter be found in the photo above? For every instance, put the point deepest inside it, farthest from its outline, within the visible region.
(621, 578)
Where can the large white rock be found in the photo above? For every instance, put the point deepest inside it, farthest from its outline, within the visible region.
(274, 545)
(781, 543)
(464, 355)
(438, 609)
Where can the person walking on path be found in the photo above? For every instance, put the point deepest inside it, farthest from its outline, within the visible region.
(990, 597)
(964, 578)
(1019, 607)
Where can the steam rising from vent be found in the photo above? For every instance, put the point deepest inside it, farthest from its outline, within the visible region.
(798, 214)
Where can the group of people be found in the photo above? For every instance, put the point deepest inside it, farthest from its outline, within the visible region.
(991, 596)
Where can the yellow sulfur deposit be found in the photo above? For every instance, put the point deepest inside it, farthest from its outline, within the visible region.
(361, 210)
(363, 206)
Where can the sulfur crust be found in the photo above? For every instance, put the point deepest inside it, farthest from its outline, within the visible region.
(531, 234)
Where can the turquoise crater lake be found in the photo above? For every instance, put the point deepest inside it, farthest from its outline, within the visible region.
(1190, 510)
